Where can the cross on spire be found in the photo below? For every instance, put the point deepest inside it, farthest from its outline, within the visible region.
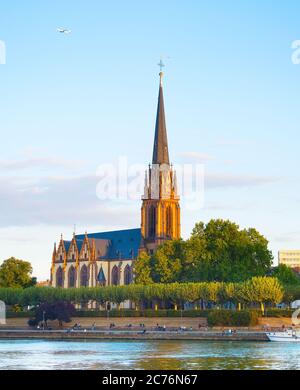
(161, 65)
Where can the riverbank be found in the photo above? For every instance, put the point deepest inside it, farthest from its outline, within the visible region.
(80, 335)
(149, 322)
(141, 328)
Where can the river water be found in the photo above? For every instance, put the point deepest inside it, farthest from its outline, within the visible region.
(54, 355)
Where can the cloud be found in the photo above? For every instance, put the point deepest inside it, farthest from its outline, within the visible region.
(197, 156)
(233, 142)
(229, 206)
(237, 181)
(65, 200)
(288, 237)
(59, 200)
(39, 162)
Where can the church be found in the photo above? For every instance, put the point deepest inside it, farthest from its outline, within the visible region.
(107, 258)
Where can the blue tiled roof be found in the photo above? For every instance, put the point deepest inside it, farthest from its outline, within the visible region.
(67, 245)
(79, 244)
(124, 244)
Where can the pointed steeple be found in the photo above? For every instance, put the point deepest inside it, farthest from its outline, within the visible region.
(160, 149)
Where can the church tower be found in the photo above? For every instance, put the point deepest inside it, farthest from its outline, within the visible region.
(160, 219)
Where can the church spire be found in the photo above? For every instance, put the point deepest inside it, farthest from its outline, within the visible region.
(160, 149)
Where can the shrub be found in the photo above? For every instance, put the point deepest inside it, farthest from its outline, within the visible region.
(232, 318)
(21, 314)
(279, 312)
(32, 322)
(61, 311)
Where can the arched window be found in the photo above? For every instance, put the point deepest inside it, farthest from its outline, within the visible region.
(127, 274)
(72, 276)
(152, 221)
(115, 276)
(84, 276)
(101, 277)
(169, 221)
(59, 277)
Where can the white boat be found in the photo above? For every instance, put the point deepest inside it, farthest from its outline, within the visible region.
(284, 336)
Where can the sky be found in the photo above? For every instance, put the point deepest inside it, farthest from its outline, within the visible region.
(72, 102)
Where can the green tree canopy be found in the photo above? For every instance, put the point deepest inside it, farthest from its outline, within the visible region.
(257, 290)
(167, 262)
(217, 251)
(142, 269)
(262, 289)
(286, 275)
(16, 273)
(223, 252)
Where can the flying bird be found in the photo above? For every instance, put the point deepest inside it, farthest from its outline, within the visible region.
(63, 31)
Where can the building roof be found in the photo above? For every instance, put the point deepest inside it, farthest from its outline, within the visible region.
(79, 244)
(160, 149)
(122, 244)
(67, 245)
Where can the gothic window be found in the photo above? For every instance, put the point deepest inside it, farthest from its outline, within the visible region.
(115, 276)
(152, 221)
(84, 276)
(127, 274)
(60, 258)
(59, 277)
(72, 277)
(169, 221)
(101, 277)
(73, 257)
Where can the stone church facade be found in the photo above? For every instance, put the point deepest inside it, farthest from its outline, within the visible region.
(106, 258)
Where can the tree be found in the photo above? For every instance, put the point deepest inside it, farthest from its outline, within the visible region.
(16, 273)
(142, 269)
(61, 311)
(286, 275)
(262, 290)
(291, 293)
(230, 254)
(167, 262)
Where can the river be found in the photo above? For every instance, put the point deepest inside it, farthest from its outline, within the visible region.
(198, 355)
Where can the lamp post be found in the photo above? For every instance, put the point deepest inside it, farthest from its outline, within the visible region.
(107, 310)
(44, 319)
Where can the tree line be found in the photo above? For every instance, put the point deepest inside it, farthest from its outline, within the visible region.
(255, 291)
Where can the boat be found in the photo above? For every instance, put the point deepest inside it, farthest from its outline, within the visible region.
(284, 336)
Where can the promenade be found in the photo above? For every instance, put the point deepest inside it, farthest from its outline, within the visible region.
(139, 328)
(117, 334)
